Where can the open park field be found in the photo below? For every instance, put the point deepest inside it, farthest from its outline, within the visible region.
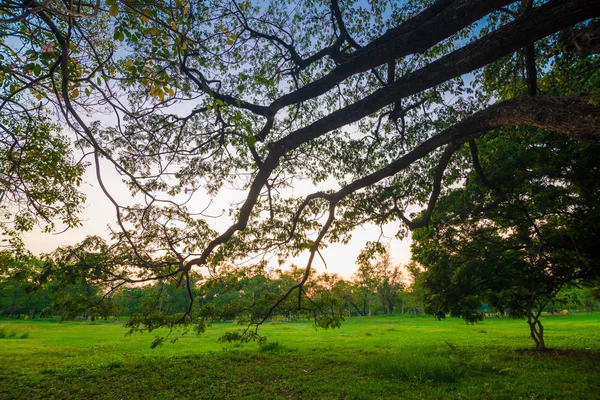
(379, 357)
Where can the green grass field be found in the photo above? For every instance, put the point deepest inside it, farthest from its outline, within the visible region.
(380, 357)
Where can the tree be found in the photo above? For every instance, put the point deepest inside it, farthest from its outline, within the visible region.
(39, 178)
(365, 280)
(516, 236)
(390, 284)
(377, 277)
(21, 285)
(366, 100)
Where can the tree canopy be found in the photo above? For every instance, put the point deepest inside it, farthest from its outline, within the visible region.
(369, 101)
(515, 237)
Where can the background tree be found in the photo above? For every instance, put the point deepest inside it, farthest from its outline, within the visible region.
(365, 281)
(413, 296)
(22, 282)
(513, 237)
(519, 227)
(377, 279)
(390, 284)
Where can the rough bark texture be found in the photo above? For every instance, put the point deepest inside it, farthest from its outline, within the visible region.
(575, 117)
(584, 41)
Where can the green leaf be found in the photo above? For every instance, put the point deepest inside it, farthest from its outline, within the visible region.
(251, 140)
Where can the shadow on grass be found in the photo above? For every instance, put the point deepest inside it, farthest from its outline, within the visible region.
(411, 367)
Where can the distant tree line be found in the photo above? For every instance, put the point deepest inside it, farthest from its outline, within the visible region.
(53, 286)
(61, 285)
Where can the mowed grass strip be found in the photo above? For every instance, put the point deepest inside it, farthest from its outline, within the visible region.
(379, 357)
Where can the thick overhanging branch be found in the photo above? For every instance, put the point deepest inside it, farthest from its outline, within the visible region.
(584, 41)
(416, 35)
(575, 117)
(541, 22)
(572, 116)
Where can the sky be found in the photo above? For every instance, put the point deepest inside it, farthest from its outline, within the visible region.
(99, 213)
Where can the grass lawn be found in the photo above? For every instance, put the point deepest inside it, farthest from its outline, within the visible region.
(380, 357)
